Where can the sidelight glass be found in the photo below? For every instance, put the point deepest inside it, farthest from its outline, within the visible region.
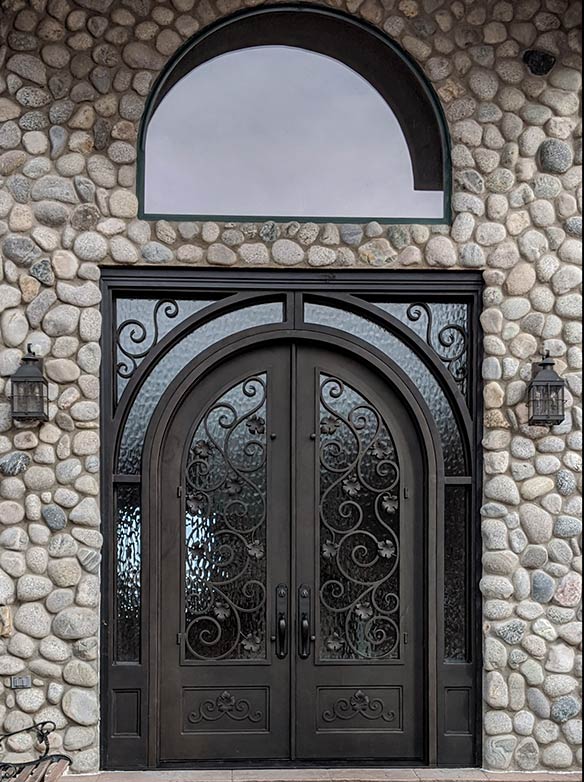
(225, 528)
(438, 404)
(162, 374)
(278, 131)
(128, 566)
(456, 568)
(359, 512)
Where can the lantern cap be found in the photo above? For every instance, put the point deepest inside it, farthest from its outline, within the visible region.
(30, 368)
(546, 372)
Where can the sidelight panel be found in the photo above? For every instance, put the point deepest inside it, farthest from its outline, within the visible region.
(225, 528)
(359, 512)
(456, 569)
(128, 569)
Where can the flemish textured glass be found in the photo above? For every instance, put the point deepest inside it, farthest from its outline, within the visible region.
(225, 528)
(156, 383)
(444, 328)
(456, 542)
(140, 324)
(128, 573)
(279, 131)
(359, 528)
(376, 335)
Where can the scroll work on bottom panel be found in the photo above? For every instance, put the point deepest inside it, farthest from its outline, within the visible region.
(236, 710)
(377, 709)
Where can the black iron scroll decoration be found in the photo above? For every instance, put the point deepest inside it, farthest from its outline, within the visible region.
(359, 515)
(358, 705)
(224, 592)
(452, 341)
(42, 731)
(225, 705)
(139, 334)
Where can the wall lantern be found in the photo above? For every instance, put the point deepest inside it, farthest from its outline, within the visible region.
(546, 395)
(30, 399)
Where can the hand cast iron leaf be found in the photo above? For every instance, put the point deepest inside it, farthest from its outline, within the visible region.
(256, 424)
(363, 611)
(329, 425)
(386, 548)
(379, 451)
(202, 449)
(251, 643)
(334, 642)
(389, 503)
(351, 486)
(329, 549)
(196, 504)
(221, 611)
(255, 549)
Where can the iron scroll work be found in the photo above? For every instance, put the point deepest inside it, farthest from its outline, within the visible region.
(427, 324)
(359, 528)
(225, 529)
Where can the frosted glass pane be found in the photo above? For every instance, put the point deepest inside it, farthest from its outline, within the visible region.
(140, 324)
(428, 386)
(444, 328)
(279, 131)
(456, 545)
(170, 365)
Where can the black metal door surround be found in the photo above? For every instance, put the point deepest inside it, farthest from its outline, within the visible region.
(293, 473)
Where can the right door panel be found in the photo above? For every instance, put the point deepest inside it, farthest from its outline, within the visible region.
(360, 563)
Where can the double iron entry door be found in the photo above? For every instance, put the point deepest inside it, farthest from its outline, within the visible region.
(292, 564)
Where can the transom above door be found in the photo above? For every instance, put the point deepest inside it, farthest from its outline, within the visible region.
(292, 512)
(387, 680)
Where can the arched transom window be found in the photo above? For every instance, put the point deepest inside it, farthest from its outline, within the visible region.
(293, 113)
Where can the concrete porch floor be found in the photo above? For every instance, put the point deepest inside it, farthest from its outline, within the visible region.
(327, 775)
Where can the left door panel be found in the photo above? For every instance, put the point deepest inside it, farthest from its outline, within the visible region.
(224, 682)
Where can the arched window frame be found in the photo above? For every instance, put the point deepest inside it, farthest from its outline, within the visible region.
(351, 41)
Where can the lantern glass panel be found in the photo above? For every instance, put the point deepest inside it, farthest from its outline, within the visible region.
(29, 399)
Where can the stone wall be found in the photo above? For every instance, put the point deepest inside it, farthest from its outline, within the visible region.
(73, 80)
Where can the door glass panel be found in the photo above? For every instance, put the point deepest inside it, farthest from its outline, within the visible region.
(225, 528)
(359, 528)
(403, 356)
(162, 374)
(141, 323)
(456, 596)
(127, 574)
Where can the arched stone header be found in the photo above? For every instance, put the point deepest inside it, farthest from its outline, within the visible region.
(387, 74)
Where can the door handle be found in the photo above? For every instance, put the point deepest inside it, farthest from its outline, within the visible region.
(281, 636)
(304, 619)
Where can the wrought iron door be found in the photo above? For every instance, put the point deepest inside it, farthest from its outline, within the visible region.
(291, 603)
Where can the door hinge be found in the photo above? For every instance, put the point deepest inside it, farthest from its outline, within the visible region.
(406, 493)
(179, 638)
(406, 638)
(179, 491)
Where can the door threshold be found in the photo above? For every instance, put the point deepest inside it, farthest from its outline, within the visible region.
(328, 775)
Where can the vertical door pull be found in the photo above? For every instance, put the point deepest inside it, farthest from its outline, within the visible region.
(281, 636)
(304, 622)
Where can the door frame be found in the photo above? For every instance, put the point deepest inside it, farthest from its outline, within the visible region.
(414, 286)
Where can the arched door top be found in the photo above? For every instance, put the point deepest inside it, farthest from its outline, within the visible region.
(367, 67)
